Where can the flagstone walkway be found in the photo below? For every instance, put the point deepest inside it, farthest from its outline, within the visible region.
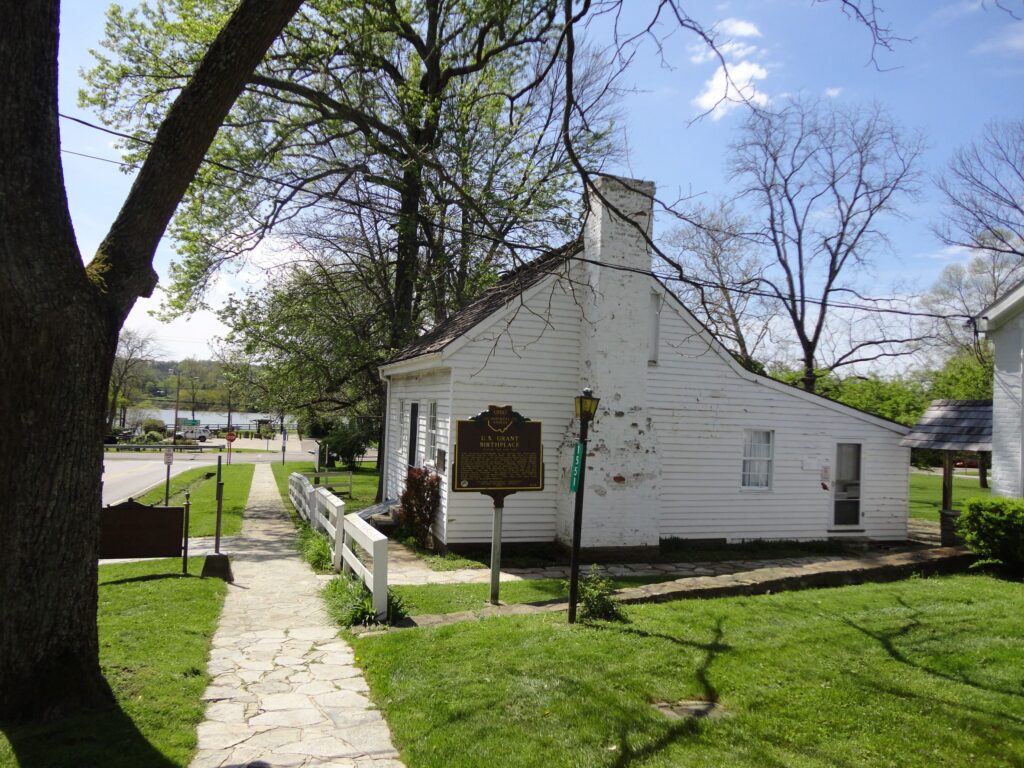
(285, 690)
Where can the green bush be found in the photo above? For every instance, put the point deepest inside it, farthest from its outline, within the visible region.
(349, 603)
(420, 503)
(154, 425)
(993, 527)
(153, 437)
(315, 548)
(595, 596)
(348, 442)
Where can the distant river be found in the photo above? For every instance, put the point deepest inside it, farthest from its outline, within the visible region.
(239, 419)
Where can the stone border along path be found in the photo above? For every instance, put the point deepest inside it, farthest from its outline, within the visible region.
(285, 691)
(777, 578)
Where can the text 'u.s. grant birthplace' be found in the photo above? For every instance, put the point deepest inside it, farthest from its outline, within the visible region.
(686, 443)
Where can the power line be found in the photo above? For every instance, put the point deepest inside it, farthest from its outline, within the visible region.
(696, 282)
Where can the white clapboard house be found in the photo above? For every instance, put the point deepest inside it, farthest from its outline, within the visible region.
(1003, 324)
(686, 442)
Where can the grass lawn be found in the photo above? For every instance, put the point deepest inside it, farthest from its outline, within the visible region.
(364, 483)
(924, 672)
(203, 513)
(155, 627)
(926, 494)
(450, 598)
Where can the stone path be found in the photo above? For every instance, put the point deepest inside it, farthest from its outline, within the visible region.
(405, 568)
(763, 580)
(285, 691)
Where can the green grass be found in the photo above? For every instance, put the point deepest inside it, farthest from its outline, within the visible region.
(155, 627)
(919, 673)
(926, 494)
(203, 511)
(450, 598)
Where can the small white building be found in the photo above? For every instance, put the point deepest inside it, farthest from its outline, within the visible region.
(1003, 324)
(686, 443)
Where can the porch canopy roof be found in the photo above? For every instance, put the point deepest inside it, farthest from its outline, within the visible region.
(953, 425)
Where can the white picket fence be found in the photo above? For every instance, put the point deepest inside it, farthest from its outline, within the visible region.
(323, 511)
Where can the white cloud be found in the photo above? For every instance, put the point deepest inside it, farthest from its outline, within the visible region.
(725, 91)
(833, 92)
(1009, 41)
(949, 254)
(738, 28)
(702, 53)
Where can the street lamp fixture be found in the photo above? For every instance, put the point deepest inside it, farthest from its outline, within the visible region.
(586, 406)
(586, 409)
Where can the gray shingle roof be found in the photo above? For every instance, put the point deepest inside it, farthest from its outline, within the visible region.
(509, 288)
(953, 425)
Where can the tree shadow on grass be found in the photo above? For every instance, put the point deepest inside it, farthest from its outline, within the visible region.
(149, 577)
(888, 641)
(627, 755)
(102, 738)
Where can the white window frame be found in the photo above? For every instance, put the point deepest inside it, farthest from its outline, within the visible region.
(431, 433)
(750, 457)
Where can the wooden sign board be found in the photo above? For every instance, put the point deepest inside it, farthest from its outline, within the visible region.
(498, 450)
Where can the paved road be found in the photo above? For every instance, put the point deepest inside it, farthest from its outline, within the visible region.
(127, 475)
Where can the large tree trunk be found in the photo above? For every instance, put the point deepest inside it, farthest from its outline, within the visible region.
(57, 385)
(984, 457)
(58, 334)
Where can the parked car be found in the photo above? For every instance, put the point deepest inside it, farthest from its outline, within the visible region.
(202, 434)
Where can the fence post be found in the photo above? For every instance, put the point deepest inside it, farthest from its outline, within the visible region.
(380, 578)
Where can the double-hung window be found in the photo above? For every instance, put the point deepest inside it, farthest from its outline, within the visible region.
(431, 456)
(758, 457)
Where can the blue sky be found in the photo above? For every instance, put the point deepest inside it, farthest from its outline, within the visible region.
(962, 67)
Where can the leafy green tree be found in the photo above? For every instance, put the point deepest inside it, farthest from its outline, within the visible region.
(961, 377)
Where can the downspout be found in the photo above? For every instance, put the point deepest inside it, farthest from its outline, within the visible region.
(382, 458)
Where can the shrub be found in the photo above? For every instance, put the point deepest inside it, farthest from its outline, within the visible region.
(315, 548)
(420, 503)
(349, 603)
(154, 425)
(994, 528)
(153, 437)
(595, 597)
(348, 442)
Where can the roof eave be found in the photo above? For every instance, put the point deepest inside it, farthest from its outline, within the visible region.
(410, 365)
(1002, 309)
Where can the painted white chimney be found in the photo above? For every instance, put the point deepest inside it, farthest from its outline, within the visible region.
(623, 468)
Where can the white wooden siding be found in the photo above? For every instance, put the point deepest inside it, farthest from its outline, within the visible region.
(702, 406)
(529, 360)
(422, 388)
(1007, 424)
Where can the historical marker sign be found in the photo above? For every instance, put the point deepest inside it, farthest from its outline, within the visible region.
(498, 451)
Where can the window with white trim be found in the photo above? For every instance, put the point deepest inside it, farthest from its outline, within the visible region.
(431, 456)
(758, 456)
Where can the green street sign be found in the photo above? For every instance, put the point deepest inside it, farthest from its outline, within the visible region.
(191, 422)
(577, 462)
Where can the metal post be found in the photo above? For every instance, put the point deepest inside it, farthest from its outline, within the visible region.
(577, 526)
(167, 487)
(177, 400)
(184, 551)
(220, 505)
(499, 507)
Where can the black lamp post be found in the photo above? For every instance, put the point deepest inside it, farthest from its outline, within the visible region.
(586, 408)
